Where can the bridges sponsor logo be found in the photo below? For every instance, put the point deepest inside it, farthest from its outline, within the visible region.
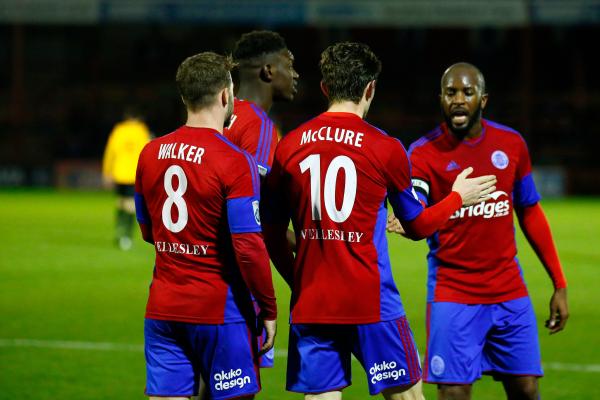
(231, 380)
(493, 208)
(386, 370)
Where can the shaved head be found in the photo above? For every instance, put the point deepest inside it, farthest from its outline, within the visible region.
(463, 98)
(464, 67)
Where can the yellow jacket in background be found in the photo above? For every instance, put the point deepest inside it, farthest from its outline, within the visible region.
(125, 143)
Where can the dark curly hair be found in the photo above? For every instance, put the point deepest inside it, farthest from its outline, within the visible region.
(256, 44)
(347, 68)
(199, 78)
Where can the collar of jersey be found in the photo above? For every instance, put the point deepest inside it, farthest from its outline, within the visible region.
(467, 142)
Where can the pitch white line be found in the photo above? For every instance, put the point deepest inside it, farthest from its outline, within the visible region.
(279, 353)
(71, 345)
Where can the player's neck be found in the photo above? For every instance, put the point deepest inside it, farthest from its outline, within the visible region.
(347, 107)
(256, 93)
(204, 119)
(474, 132)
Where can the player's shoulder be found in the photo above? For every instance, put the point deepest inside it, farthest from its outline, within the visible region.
(426, 141)
(248, 111)
(502, 132)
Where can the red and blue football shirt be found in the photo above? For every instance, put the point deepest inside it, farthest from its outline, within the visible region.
(252, 130)
(195, 188)
(332, 176)
(473, 257)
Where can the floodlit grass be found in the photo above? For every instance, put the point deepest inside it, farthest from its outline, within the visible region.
(62, 279)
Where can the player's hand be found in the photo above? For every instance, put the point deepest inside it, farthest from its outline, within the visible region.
(291, 239)
(271, 330)
(394, 225)
(559, 311)
(474, 190)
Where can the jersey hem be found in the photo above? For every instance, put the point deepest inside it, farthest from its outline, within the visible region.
(475, 300)
(192, 320)
(344, 321)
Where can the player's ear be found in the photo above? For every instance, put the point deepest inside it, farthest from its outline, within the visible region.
(324, 89)
(225, 97)
(484, 99)
(370, 90)
(266, 73)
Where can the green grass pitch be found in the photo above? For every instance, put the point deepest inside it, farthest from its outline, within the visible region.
(63, 285)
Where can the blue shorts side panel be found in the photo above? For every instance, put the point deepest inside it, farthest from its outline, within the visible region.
(388, 354)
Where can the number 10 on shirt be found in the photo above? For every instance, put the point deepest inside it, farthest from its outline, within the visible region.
(312, 164)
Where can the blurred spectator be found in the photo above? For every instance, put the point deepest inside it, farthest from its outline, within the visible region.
(123, 148)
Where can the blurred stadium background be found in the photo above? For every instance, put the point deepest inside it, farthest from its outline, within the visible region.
(72, 305)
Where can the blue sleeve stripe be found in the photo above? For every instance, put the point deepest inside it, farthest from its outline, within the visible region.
(242, 215)
(141, 211)
(263, 120)
(267, 144)
(261, 138)
(253, 173)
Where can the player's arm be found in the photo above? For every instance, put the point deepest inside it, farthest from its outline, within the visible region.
(141, 210)
(248, 245)
(535, 226)
(419, 222)
(276, 217)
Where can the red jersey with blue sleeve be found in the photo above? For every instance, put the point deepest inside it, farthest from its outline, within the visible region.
(252, 130)
(473, 257)
(332, 176)
(195, 190)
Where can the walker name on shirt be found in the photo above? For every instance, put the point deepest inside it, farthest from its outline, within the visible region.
(329, 134)
(182, 248)
(331, 234)
(181, 151)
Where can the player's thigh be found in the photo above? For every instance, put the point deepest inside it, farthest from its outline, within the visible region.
(388, 353)
(454, 392)
(168, 398)
(318, 358)
(227, 361)
(335, 395)
(414, 392)
(455, 341)
(521, 387)
(169, 367)
(513, 346)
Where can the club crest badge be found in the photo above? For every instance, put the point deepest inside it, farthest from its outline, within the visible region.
(256, 211)
(437, 365)
(499, 159)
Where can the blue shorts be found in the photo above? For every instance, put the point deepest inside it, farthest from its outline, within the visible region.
(319, 356)
(178, 353)
(465, 341)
